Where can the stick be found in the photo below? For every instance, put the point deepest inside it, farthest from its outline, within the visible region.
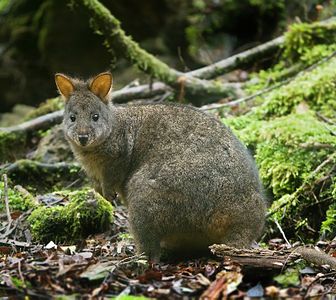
(9, 218)
(140, 92)
(282, 232)
(240, 60)
(299, 190)
(25, 165)
(39, 123)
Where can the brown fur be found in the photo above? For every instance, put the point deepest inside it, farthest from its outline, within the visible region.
(186, 179)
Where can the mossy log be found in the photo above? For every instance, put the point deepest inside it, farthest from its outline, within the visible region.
(195, 89)
(29, 172)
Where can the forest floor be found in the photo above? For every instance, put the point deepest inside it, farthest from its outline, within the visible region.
(105, 266)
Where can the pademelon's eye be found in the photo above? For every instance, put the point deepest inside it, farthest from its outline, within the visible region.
(72, 118)
(95, 117)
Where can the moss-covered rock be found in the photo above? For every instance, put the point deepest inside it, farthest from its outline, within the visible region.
(290, 152)
(86, 213)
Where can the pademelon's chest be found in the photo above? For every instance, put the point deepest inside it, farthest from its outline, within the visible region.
(93, 165)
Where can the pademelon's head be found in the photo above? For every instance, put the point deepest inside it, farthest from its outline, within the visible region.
(87, 117)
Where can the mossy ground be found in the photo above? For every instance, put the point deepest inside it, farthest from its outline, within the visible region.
(291, 132)
(86, 213)
(17, 200)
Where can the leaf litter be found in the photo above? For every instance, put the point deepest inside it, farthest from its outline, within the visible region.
(106, 265)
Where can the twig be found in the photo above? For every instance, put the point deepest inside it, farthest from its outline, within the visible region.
(282, 233)
(269, 89)
(140, 92)
(26, 165)
(12, 242)
(15, 224)
(317, 278)
(5, 193)
(40, 123)
(325, 119)
(316, 145)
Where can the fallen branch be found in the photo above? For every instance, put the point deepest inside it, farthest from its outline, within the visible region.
(141, 92)
(26, 165)
(265, 258)
(240, 60)
(245, 58)
(258, 258)
(268, 89)
(330, 159)
(107, 25)
(40, 123)
(11, 242)
(46, 121)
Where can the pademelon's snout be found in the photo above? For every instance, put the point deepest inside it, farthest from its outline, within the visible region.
(83, 139)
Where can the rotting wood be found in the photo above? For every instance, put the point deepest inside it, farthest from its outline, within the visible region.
(274, 259)
(258, 258)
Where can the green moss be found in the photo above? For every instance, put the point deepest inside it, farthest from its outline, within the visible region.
(305, 44)
(86, 213)
(328, 227)
(124, 44)
(317, 88)
(17, 200)
(3, 5)
(288, 151)
(50, 105)
(291, 277)
(300, 38)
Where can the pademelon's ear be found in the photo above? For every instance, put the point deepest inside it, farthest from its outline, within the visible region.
(64, 85)
(101, 86)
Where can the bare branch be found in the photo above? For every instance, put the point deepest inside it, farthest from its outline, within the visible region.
(240, 60)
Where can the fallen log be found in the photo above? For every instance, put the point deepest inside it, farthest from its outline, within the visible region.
(273, 259)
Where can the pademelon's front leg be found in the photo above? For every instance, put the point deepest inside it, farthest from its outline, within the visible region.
(97, 186)
(107, 191)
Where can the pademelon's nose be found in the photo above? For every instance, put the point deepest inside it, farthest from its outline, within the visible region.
(83, 139)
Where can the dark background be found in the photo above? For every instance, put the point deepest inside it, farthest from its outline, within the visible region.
(39, 38)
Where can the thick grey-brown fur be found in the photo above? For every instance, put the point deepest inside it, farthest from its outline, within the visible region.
(186, 179)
